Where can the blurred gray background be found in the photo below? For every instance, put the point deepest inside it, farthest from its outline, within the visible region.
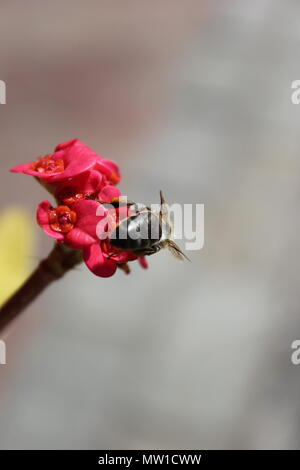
(193, 98)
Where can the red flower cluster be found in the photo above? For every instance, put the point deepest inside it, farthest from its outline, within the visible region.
(81, 180)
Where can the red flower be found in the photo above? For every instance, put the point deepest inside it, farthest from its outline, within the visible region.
(79, 227)
(76, 227)
(90, 183)
(69, 160)
(81, 181)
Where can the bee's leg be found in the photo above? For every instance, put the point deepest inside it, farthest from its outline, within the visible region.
(117, 202)
(125, 267)
(147, 251)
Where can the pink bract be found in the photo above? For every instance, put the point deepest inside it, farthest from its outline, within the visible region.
(84, 231)
(69, 159)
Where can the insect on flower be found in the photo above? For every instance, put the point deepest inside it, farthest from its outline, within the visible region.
(145, 231)
(83, 184)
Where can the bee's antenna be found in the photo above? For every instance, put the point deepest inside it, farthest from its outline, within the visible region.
(164, 211)
(164, 215)
(162, 199)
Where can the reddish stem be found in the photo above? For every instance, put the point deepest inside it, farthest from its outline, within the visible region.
(59, 261)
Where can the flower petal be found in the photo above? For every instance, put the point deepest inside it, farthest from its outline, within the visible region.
(97, 263)
(85, 183)
(66, 144)
(108, 193)
(78, 238)
(110, 169)
(42, 218)
(23, 168)
(91, 217)
(88, 207)
(143, 262)
(78, 158)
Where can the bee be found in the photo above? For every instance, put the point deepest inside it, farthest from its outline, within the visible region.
(146, 232)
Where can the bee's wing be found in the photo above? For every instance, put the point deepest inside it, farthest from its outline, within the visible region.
(176, 251)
